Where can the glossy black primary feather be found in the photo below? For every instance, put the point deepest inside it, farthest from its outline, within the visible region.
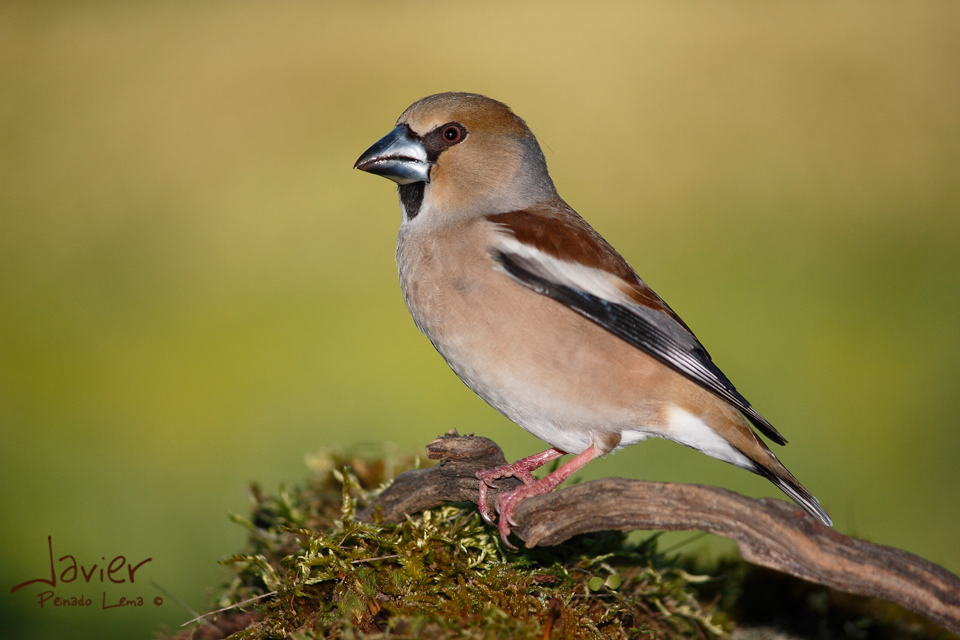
(643, 334)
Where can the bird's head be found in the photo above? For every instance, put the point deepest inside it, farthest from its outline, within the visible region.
(459, 154)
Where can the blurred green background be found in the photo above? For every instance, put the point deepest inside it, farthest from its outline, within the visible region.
(196, 290)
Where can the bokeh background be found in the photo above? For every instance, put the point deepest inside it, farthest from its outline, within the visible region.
(196, 290)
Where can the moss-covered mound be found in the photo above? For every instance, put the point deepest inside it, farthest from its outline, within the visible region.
(312, 570)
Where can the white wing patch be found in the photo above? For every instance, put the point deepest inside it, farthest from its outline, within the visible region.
(565, 272)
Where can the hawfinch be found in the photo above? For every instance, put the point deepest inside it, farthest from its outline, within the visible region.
(539, 315)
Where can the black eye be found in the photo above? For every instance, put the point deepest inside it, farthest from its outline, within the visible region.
(452, 134)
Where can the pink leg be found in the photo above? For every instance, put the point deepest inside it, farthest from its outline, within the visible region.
(507, 502)
(520, 469)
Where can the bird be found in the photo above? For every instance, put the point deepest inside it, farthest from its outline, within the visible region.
(540, 316)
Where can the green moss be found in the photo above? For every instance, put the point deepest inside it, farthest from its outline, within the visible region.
(442, 574)
(315, 571)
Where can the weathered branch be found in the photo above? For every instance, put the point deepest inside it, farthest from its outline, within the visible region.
(770, 533)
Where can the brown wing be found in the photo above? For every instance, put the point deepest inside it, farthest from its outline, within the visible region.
(559, 231)
(650, 326)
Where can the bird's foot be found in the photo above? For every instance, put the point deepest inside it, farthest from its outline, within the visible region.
(520, 469)
(507, 502)
(486, 478)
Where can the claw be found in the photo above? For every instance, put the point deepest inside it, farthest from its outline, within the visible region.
(505, 537)
(482, 503)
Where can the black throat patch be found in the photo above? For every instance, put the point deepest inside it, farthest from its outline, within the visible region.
(411, 198)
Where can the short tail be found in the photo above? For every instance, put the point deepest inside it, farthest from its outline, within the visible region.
(795, 490)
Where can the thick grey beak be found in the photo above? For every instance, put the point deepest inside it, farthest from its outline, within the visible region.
(397, 156)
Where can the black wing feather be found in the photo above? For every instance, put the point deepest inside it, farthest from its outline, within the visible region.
(625, 323)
